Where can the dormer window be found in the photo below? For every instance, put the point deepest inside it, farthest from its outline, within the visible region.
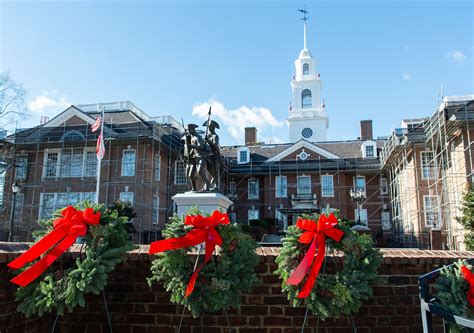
(306, 99)
(305, 69)
(243, 155)
(369, 149)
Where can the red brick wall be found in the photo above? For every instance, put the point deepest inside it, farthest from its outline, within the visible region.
(135, 307)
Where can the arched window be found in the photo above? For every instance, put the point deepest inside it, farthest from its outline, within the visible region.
(305, 69)
(73, 135)
(306, 99)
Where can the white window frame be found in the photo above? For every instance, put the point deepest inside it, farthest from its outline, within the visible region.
(23, 167)
(355, 182)
(155, 216)
(233, 187)
(363, 217)
(436, 210)
(298, 189)
(327, 194)
(385, 220)
(251, 214)
(382, 186)
(428, 167)
(280, 190)
(124, 152)
(247, 154)
(127, 193)
(2, 187)
(366, 144)
(82, 196)
(58, 151)
(305, 69)
(157, 167)
(176, 178)
(254, 196)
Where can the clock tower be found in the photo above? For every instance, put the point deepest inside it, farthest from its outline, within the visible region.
(307, 117)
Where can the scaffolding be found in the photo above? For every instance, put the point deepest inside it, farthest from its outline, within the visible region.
(447, 139)
(156, 145)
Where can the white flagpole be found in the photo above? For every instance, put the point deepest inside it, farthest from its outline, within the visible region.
(99, 158)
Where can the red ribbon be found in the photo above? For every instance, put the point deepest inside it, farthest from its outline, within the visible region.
(204, 231)
(314, 233)
(67, 228)
(469, 277)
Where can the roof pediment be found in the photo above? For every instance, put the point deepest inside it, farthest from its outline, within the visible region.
(308, 147)
(71, 114)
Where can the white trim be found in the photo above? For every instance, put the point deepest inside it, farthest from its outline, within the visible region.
(364, 214)
(241, 149)
(68, 114)
(159, 167)
(59, 151)
(134, 162)
(257, 187)
(438, 207)
(132, 201)
(432, 166)
(298, 187)
(355, 183)
(298, 145)
(277, 191)
(25, 166)
(332, 187)
(176, 172)
(386, 226)
(386, 186)
(364, 146)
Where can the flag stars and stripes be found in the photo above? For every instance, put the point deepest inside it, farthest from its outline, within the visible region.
(95, 126)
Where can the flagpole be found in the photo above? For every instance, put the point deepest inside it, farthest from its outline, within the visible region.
(99, 157)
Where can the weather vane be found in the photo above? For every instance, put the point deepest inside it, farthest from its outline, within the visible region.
(304, 12)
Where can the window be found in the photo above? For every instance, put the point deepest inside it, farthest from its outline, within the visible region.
(427, 165)
(243, 155)
(369, 151)
(253, 214)
(90, 168)
(432, 211)
(383, 186)
(126, 197)
(156, 210)
(50, 202)
(233, 217)
(363, 216)
(359, 183)
(21, 166)
(386, 225)
(51, 164)
(306, 99)
(128, 162)
(280, 187)
(2, 186)
(233, 187)
(157, 167)
(180, 173)
(70, 162)
(327, 185)
(305, 69)
(73, 136)
(253, 189)
(20, 199)
(303, 185)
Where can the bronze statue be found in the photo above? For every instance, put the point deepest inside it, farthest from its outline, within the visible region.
(215, 163)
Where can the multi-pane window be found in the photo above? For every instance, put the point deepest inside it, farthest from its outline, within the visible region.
(90, 168)
(180, 173)
(306, 99)
(360, 183)
(243, 156)
(303, 185)
(327, 184)
(19, 201)
(50, 202)
(21, 166)
(51, 164)
(431, 203)
(253, 189)
(156, 210)
(361, 216)
(427, 164)
(383, 186)
(369, 151)
(126, 197)
(305, 69)
(157, 167)
(232, 187)
(253, 214)
(281, 187)
(386, 225)
(70, 162)
(233, 217)
(128, 162)
(2, 187)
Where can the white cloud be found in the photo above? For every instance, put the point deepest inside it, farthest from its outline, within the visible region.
(457, 56)
(235, 120)
(406, 76)
(47, 102)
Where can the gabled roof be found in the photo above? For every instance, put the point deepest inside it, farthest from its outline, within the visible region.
(68, 114)
(302, 144)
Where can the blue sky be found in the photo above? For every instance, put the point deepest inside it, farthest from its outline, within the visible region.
(379, 60)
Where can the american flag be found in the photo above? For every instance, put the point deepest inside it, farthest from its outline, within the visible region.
(100, 148)
(95, 126)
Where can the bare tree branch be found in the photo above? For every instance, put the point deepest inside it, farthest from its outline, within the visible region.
(12, 97)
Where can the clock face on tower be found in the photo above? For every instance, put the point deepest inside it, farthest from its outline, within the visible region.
(307, 133)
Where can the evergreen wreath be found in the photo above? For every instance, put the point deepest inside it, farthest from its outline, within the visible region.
(338, 294)
(453, 291)
(60, 290)
(221, 280)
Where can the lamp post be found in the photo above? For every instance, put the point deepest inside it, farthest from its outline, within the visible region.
(358, 195)
(15, 190)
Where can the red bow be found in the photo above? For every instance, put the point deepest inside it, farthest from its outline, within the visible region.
(204, 231)
(67, 228)
(314, 233)
(469, 277)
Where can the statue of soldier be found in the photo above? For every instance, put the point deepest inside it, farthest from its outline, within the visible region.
(215, 163)
(197, 155)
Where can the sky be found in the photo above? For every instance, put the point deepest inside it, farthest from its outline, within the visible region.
(379, 60)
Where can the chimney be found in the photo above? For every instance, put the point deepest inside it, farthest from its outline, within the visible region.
(366, 130)
(250, 136)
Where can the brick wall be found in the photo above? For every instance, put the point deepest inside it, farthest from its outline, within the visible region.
(136, 308)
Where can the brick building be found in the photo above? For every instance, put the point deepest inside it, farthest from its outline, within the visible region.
(55, 165)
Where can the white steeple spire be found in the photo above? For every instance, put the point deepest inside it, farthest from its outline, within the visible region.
(305, 35)
(304, 18)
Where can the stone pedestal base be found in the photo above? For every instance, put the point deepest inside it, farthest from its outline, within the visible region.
(207, 202)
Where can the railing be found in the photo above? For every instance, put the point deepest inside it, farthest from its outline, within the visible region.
(304, 196)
